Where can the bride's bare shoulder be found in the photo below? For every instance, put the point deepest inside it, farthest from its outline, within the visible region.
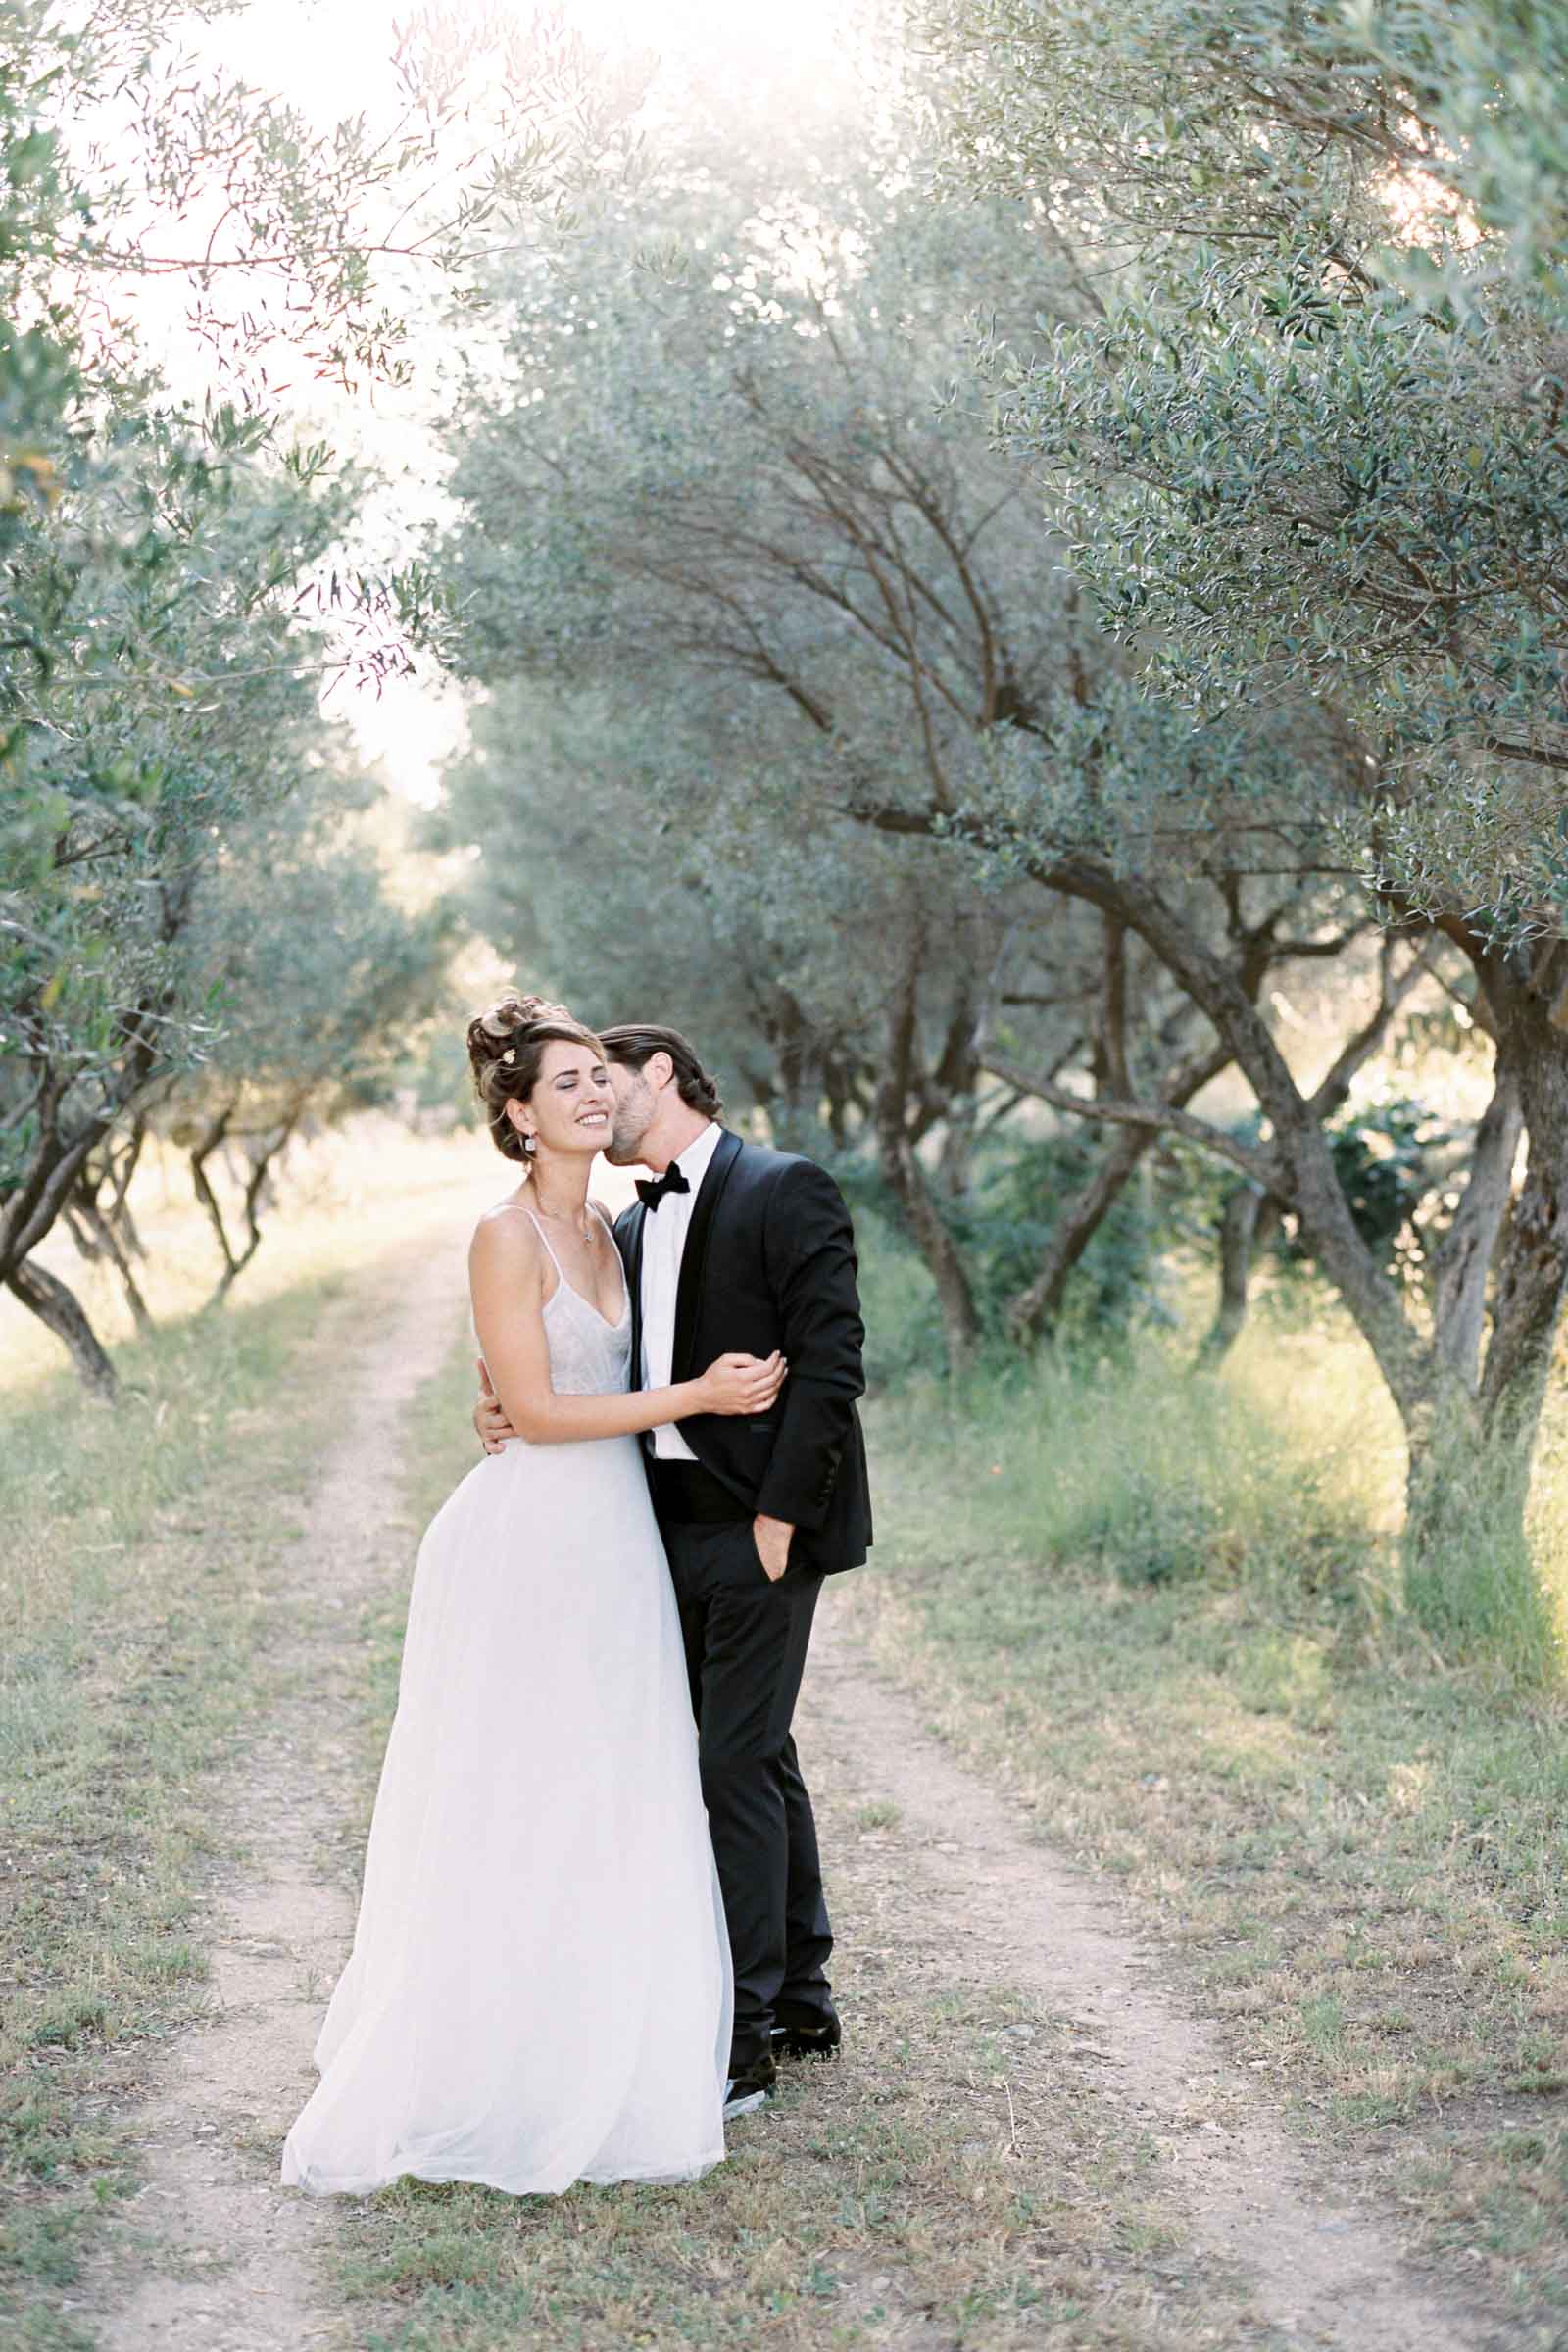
(506, 1235)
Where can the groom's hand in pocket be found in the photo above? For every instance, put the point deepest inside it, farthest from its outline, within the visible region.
(772, 1540)
(490, 1422)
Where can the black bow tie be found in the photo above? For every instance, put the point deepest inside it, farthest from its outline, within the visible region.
(671, 1181)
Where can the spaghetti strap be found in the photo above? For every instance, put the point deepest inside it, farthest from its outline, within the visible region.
(545, 1238)
(564, 1280)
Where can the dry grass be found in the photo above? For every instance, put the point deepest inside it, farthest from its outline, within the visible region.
(142, 1554)
(930, 2189)
(341, 1200)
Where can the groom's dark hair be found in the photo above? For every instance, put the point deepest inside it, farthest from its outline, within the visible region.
(634, 1044)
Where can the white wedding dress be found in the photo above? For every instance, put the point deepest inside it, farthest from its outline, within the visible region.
(539, 1991)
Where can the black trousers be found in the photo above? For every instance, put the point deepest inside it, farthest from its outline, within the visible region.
(745, 1641)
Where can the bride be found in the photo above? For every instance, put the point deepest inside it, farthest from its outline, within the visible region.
(539, 1991)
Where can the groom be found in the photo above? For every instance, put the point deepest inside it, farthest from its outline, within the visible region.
(738, 1247)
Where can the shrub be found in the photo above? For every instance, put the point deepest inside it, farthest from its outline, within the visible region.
(1141, 1469)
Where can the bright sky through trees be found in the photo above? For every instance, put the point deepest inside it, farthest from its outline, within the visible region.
(334, 59)
(332, 56)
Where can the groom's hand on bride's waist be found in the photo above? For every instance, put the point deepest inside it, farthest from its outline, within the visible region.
(772, 1540)
(490, 1422)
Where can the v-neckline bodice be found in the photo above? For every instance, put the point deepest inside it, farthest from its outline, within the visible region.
(562, 1282)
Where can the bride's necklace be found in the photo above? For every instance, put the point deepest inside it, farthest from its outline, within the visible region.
(581, 1223)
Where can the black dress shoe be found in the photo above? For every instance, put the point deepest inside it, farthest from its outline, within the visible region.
(814, 2036)
(749, 2086)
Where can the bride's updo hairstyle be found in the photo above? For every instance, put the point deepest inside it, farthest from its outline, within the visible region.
(506, 1047)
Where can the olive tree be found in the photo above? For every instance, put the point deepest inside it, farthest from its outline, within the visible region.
(1307, 456)
(161, 716)
(723, 483)
(322, 988)
(159, 675)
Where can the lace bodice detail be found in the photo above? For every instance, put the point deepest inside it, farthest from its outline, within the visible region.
(588, 1356)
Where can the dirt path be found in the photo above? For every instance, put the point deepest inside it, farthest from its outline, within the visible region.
(959, 1870)
(220, 2259)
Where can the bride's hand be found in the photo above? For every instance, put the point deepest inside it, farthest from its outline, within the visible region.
(490, 1423)
(742, 1384)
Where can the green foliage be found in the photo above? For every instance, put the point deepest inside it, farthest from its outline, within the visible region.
(1304, 443)
(1388, 1157)
(1372, 515)
(157, 720)
(175, 883)
(1307, 443)
(1482, 1585)
(320, 986)
(1117, 1458)
(1004, 1222)
(1159, 1477)
(620, 865)
(750, 576)
(1008, 1217)
(898, 1298)
(509, 118)
(1278, 117)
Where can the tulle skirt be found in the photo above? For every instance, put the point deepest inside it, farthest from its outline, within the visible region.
(539, 1991)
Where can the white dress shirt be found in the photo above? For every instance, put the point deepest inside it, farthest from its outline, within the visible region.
(664, 1231)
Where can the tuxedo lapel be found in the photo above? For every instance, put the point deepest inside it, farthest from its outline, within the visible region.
(634, 1261)
(694, 1256)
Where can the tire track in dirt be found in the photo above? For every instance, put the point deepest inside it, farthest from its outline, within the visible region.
(215, 2256)
(962, 1869)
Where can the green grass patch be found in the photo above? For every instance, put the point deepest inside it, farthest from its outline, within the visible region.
(1490, 1596)
(1160, 1480)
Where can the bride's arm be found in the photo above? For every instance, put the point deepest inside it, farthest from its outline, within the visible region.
(508, 1269)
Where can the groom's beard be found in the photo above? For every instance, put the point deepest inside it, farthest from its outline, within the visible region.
(622, 1150)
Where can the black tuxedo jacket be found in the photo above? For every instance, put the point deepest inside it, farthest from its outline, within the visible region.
(769, 1262)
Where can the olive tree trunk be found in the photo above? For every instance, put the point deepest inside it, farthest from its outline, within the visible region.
(907, 1179)
(61, 1312)
(1248, 1218)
